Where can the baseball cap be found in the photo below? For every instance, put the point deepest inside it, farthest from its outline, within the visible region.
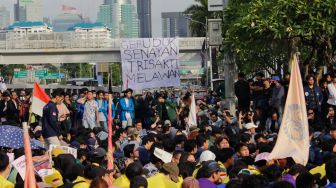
(173, 171)
(57, 151)
(99, 152)
(167, 122)
(207, 156)
(211, 166)
(250, 126)
(276, 78)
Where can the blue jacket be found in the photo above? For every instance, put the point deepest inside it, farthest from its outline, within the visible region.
(318, 97)
(123, 108)
(104, 108)
(331, 185)
(50, 127)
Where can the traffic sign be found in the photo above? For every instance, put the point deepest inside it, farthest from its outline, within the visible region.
(54, 75)
(41, 73)
(20, 74)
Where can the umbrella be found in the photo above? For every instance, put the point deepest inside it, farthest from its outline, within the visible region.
(12, 137)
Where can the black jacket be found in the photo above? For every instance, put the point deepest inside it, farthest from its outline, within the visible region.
(50, 127)
(9, 111)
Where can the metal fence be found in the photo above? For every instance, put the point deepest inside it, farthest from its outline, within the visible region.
(69, 40)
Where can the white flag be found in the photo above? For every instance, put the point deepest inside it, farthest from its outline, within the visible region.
(192, 112)
(293, 138)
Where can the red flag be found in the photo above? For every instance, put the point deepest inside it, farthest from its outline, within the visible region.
(67, 9)
(110, 147)
(40, 99)
(30, 181)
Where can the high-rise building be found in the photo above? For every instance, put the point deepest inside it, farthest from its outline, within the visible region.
(145, 18)
(4, 17)
(28, 10)
(121, 17)
(109, 14)
(19, 13)
(129, 21)
(175, 24)
(63, 22)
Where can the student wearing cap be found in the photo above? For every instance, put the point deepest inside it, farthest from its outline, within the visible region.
(167, 178)
(209, 175)
(126, 108)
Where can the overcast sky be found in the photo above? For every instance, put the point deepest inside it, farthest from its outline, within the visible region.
(90, 8)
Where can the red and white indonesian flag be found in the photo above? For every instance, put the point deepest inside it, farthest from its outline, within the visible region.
(293, 138)
(68, 9)
(40, 99)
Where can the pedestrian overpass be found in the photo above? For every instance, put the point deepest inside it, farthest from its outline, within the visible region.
(53, 48)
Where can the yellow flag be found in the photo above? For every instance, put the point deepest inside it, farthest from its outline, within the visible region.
(293, 137)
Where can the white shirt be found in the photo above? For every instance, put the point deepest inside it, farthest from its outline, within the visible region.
(128, 115)
(332, 94)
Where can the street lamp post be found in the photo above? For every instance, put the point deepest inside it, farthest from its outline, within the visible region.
(207, 53)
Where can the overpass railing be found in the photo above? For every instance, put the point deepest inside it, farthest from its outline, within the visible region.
(73, 40)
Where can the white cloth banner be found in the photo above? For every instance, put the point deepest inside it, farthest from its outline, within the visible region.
(293, 138)
(150, 63)
(192, 112)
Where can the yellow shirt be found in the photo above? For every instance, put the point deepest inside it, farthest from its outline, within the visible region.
(122, 182)
(5, 183)
(319, 169)
(84, 183)
(55, 179)
(160, 181)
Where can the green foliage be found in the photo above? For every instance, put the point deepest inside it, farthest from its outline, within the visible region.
(263, 33)
(116, 73)
(7, 71)
(197, 14)
(77, 70)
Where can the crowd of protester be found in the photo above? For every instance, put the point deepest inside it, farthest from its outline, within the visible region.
(225, 149)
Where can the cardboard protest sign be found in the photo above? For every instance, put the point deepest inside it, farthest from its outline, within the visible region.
(41, 165)
(150, 63)
(20, 165)
(63, 149)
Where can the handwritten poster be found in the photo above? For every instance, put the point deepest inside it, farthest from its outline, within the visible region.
(150, 63)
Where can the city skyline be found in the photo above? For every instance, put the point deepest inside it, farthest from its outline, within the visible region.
(90, 8)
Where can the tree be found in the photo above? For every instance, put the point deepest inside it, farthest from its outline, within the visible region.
(198, 13)
(77, 70)
(116, 73)
(7, 71)
(269, 31)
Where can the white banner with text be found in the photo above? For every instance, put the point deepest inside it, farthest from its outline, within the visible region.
(150, 63)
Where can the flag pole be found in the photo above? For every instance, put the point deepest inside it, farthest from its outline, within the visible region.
(30, 108)
(110, 147)
(30, 180)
